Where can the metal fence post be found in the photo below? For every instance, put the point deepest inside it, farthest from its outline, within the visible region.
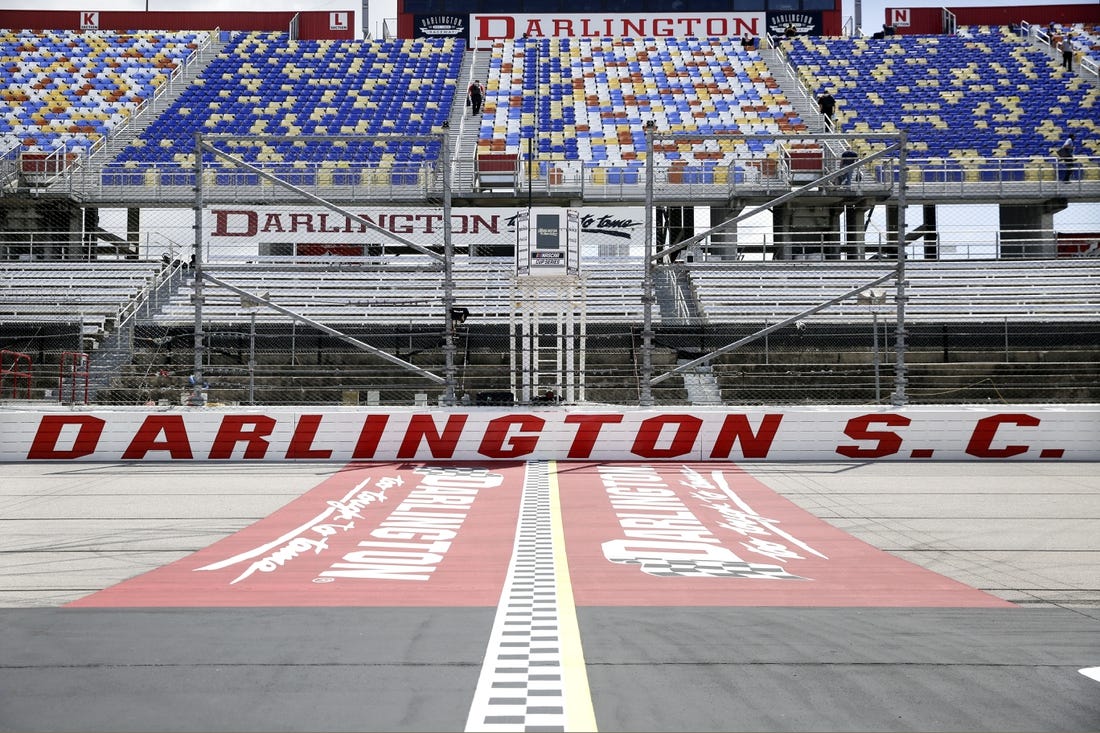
(900, 399)
(646, 397)
(196, 261)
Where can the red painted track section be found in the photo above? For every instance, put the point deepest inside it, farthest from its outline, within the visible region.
(726, 539)
(383, 534)
(637, 534)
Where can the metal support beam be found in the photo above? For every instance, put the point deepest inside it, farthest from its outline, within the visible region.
(765, 331)
(196, 261)
(645, 399)
(326, 329)
(901, 376)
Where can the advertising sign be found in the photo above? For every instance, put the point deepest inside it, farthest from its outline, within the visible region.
(486, 28)
(315, 231)
(791, 434)
(441, 26)
(804, 23)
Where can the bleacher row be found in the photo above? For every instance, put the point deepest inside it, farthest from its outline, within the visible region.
(985, 95)
(411, 292)
(93, 294)
(1043, 291)
(1051, 291)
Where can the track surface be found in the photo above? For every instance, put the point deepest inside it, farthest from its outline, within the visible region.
(569, 596)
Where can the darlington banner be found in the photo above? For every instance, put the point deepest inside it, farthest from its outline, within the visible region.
(795, 434)
(487, 28)
(230, 228)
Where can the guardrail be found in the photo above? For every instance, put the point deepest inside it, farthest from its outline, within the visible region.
(946, 242)
(790, 168)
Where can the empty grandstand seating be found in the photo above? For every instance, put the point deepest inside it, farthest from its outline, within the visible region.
(978, 98)
(406, 290)
(589, 100)
(1062, 290)
(979, 107)
(1047, 291)
(985, 106)
(94, 293)
(63, 90)
(264, 84)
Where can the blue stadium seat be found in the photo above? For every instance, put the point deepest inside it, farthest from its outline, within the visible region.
(981, 94)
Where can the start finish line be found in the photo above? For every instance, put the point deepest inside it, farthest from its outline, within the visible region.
(796, 434)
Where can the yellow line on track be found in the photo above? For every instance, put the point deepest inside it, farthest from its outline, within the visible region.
(579, 713)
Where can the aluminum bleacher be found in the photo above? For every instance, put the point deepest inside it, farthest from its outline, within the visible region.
(405, 290)
(93, 293)
(409, 290)
(1046, 291)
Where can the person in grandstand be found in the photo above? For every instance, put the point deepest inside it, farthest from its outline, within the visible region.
(475, 95)
(1066, 48)
(847, 158)
(1065, 155)
(826, 104)
(790, 31)
(746, 42)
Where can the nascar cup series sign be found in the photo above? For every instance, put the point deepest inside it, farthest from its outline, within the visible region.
(1018, 433)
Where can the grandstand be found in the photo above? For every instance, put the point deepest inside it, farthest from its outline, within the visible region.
(996, 109)
(604, 156)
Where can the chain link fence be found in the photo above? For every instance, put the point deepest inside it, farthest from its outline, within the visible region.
(375, 285)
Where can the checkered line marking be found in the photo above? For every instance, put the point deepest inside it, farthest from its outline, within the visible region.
(665, 568)
(521, 688)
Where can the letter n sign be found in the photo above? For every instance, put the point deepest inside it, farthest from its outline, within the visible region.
(899, 17)
(89, 20)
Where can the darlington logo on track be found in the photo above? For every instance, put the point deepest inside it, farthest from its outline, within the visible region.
(666, 534)
(666, 539)
(373, 534)
(432, 513)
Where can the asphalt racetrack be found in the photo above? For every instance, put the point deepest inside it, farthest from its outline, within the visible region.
(550, 596)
